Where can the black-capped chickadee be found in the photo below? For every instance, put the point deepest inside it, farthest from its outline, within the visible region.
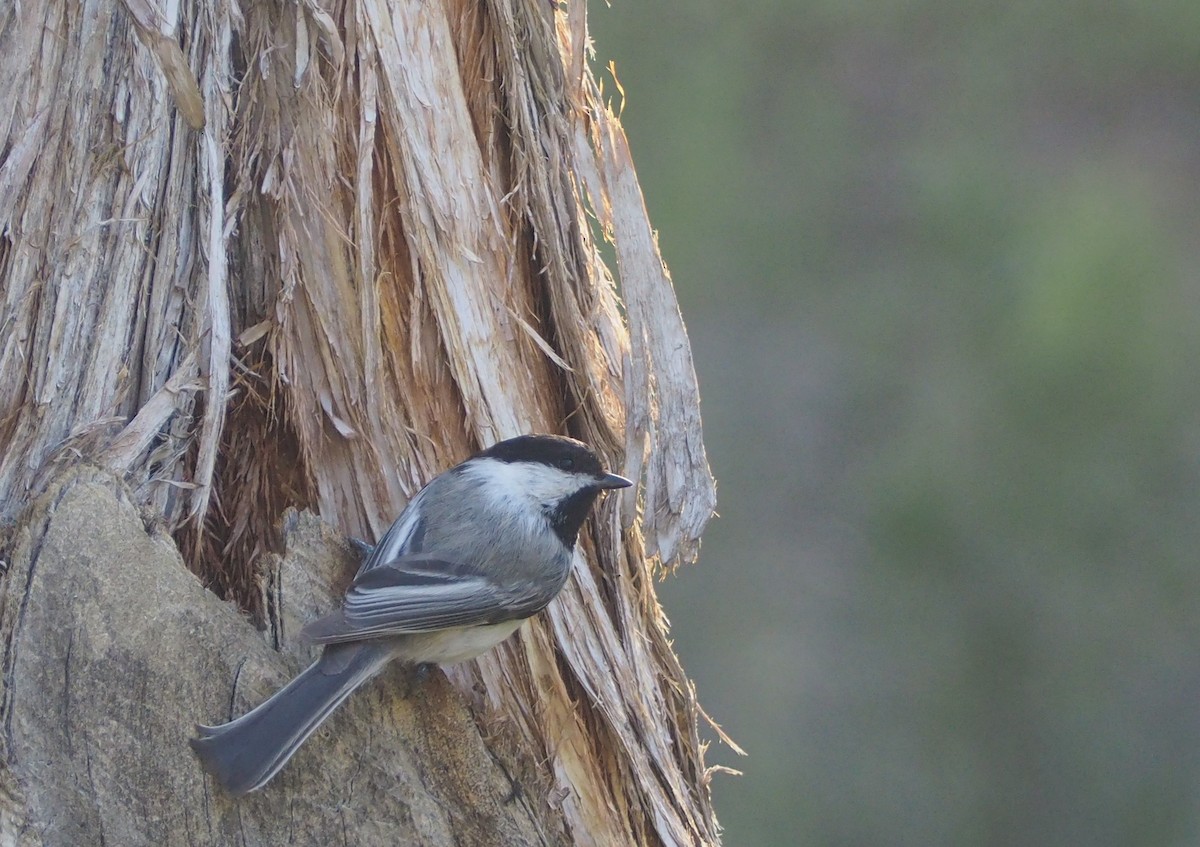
(482, 547)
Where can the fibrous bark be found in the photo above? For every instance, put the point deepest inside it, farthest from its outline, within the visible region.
(310, 254)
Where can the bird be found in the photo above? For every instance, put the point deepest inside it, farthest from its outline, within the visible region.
(479, 550)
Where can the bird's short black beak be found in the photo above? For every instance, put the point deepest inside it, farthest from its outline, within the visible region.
(611, 480)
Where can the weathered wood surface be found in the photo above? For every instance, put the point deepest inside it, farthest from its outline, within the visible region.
(308, 255)
(112, 652)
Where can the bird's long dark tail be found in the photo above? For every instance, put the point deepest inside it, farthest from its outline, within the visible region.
(245, 753)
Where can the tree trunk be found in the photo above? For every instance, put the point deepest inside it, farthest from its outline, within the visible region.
(267, 261)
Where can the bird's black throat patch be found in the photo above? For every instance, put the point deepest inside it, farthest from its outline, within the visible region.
(568, 515)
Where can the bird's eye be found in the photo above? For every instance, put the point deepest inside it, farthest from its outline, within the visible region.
(567, 463)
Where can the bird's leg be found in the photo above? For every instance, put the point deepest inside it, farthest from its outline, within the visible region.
(415, 676)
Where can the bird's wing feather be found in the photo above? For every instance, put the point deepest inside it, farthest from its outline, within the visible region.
(420, 593)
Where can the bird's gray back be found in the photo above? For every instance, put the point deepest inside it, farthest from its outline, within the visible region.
(444, 521)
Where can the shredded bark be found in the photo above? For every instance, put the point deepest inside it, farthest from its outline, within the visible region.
(310, 254)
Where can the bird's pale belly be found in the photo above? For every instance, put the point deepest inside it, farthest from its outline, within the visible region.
(447, 646)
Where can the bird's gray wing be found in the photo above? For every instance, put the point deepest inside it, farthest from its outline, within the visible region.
(419, 593)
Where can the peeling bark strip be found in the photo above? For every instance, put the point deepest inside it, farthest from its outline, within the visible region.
(310, 254)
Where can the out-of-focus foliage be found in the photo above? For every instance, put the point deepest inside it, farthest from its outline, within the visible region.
(939, 263)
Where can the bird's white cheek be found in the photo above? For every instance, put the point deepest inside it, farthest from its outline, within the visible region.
(522, 483)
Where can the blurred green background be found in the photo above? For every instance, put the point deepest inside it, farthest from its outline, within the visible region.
(938, 262)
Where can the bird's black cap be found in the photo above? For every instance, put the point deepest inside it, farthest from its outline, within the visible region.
(554, 450)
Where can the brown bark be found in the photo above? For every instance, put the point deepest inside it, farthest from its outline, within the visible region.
(306, 255)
